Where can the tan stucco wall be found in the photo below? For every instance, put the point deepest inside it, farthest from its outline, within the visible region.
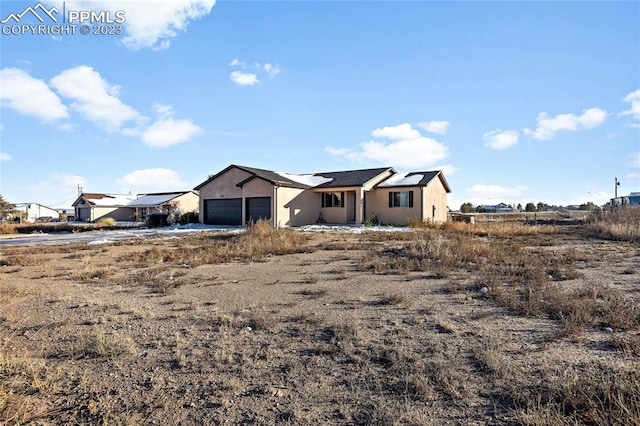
(435, 195)
(297, 207)
(188, 202)
(224, 186)
(424, 198)
(378, 204)
(124, 214)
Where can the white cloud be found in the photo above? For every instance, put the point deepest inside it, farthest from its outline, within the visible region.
(446, 169)
(63, 185)
(251, 75)
(633, 98)
(437, 127)
(163, 110)
(499, 139)
(635, 159)
(237, 63)
(94, 97)
(5, 156)
(406, 148)
(493, 194)
(549, 126)
(243, 79)
(399, 132)
(632, 176)
(149, 23)
(272, 70)
(150, 180)
(30, 96)
(167, 132)
(336, 151)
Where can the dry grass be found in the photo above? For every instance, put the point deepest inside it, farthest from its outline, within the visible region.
(622, 224)
(235, 328)
(257, 243)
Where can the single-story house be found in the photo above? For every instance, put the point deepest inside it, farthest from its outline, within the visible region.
(172, 203)
(497, 208)
(238, 195)
(91, 207)
(31, 212)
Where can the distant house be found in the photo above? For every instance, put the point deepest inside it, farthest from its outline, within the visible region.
(633, 199)
(240, 194)
(91, 207)
(172, 203)
(498, 208)
(32, 212)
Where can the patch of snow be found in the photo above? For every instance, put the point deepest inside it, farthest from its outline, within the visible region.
(309, 179)
(401, 179)
(112, 200)
(353, 229)
(96, 242)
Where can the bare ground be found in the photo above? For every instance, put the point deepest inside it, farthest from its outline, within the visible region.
(122, 334)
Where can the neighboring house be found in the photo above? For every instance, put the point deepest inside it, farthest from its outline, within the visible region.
(498, 208)
(633, 199)
(31, 212)
(240, 194)
(91, 207)
(172, 203)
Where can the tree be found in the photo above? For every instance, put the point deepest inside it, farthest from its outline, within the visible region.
(6, 208)
(588, 206)
(466, 208)
(519, 206)
(530, 207)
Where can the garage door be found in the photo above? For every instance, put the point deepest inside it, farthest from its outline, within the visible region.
(84, 214)
(258, 208)
(223, 212)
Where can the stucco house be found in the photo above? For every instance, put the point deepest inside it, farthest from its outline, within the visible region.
(172, 203)
(91, 207)
(240, 194)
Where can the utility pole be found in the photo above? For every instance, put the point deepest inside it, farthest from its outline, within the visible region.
(617, 184)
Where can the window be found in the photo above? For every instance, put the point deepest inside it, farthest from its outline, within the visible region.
(401, 199)
(333, 199)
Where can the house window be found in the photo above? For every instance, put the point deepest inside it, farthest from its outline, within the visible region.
(333, 199)
(401, 199)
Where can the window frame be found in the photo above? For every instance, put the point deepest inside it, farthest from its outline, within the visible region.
(397, 200)
(332, 199)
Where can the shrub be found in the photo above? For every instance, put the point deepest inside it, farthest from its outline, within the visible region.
(106, 222)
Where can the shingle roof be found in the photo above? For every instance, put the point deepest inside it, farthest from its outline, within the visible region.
(350, 177)
(269, 176)
(158, 199)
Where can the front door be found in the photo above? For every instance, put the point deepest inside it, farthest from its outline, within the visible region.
(351, 206)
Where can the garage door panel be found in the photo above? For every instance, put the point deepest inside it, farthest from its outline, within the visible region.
(226, 211)
(258, 208)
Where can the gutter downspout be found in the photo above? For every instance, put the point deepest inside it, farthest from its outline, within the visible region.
(275, 207)
(421, 203)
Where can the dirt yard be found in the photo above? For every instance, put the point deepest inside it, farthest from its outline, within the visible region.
(535, 325)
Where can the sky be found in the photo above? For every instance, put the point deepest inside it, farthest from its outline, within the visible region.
(514, 101)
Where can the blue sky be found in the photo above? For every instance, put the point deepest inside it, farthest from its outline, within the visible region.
(514, 101)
